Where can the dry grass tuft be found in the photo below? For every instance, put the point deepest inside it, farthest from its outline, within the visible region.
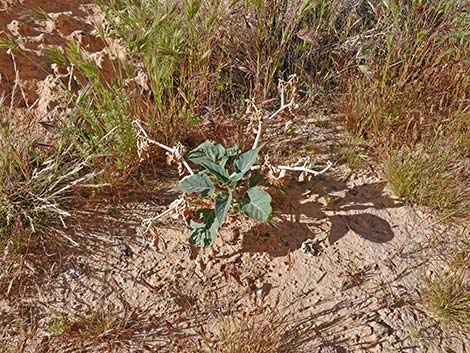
(105, 328)
(266, 331)
(36, 187)
(447, 294)
(428, 178)
(410, 97)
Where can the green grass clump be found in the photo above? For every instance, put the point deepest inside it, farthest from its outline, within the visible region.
(58, 324)
(431, 179)
(102, 124)
(446, 296)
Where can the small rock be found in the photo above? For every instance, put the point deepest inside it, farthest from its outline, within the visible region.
(125, 251)
(311, 246)
(185, 249)
(258, 289)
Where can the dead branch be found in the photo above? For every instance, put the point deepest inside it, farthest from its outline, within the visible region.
(305, 170)
(144, 140)
(148, 222)
(282, 91)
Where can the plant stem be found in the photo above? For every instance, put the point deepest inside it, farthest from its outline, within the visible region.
(304, 169)
(165, 147)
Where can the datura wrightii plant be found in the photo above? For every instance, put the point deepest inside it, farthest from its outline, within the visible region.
(225, 178)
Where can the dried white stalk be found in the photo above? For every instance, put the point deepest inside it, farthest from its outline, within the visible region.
(282, 85)
(175, 153)
(173, 206)
(306, 172)
(276, 173)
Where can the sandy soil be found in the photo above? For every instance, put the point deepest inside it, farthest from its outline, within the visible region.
(356, 288)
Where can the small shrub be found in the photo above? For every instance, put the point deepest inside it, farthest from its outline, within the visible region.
(222, 177)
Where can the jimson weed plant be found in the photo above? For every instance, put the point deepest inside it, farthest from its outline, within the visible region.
(222, 177)
(228, 178)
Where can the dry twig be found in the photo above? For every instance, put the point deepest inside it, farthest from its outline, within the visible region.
(173, 152)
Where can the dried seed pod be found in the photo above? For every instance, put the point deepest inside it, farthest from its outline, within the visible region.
(176, 157)
(304, 176)
(267, 163)
(305, 162)
(276, 176)
(142, 147)
(182, 212)
(142, 80)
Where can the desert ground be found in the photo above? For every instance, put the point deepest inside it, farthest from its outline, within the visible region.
(341, 267)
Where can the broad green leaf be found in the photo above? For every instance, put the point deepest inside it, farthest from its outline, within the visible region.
(217, 170)
(201, 236)
(204, 234)
(196, 183)
(208, 151)
(232, 151)
(256, 204)
(245, 161)
(222, 206)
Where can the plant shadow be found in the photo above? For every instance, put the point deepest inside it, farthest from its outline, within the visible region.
(300, 216)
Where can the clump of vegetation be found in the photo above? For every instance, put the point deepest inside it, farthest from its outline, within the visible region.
(396, 70)
(226, 167)
(37, 183)
(59, 324)
(412, 94)
(228, 177)
(105, 328)
(249, 336)
(431, 179)
(446, 294)
(263, 332)
(34, 185)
